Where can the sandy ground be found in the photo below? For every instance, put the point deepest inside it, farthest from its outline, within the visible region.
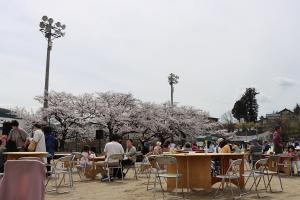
(132, 189)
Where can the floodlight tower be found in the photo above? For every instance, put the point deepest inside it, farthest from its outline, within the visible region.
(51, 31)
(172, 79)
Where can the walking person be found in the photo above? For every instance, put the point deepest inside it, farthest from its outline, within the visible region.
(278, 147)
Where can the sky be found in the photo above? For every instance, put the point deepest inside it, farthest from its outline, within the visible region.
(217, 48)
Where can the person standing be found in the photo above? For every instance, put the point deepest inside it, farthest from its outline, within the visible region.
(50, 145)
(278, 147)
(18, 136)
(39, 139)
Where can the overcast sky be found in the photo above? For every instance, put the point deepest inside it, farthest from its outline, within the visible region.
(217, 48)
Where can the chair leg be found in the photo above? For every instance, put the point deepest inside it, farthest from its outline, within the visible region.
(222, 182)
(135, 173)
(176, 184)
(279, 177)
(231, 190)
(162, 189)
(148, 182)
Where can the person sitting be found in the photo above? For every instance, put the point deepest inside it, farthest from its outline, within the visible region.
(255, 152)
(266, 147)
(166, 146)
(86, 156)
(194, 146)
(187, 147)
(211, 147)
(130, 155)
(111, 148)
(157, 149)
(224, 147)
(236, 148)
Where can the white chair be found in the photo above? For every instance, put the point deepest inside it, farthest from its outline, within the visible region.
(114, 162)
(273, 160)
(62, 166)
(76, 167)
(257, 173)
(166, 161)
(233, 173)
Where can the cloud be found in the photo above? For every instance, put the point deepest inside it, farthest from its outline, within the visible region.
(286, 82)
(262, 98)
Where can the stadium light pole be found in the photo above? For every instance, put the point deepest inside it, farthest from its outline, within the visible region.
(173, 79)
(51, 31)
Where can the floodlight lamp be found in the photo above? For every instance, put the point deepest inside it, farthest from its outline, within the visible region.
(42, 25)
(58, 24)
(44, 18)
(63, 26)
(50, 20)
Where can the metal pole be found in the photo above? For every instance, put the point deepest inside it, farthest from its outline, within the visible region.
(47, 71)
(172, 91)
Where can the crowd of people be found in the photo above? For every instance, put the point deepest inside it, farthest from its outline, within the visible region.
(18, 140)
(42, 140)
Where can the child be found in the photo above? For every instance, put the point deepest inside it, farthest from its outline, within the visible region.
(86, 156)
(295, 160)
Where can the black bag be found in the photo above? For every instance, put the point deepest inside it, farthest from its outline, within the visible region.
(11, 146)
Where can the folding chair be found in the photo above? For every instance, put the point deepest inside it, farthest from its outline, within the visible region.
(166, 161)
(257, 173)
(233, 173)
(273, 160)
(61, 167)
(132, 166)
(114, 162)
(151, 169)
(75, 165)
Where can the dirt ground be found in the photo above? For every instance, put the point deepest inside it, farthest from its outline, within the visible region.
(133, 189)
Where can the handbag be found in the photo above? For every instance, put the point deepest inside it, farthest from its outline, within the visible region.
(32, 146)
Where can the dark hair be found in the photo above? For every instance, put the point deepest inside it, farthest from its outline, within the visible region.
(130, 140)
(36, 125)
(86, 148)
(187, 145)
(93, 149)
(114, 137)
(166, 144)
(291, 147)
(277, 128)
(14, 123)
(47, 130)
(223, 143)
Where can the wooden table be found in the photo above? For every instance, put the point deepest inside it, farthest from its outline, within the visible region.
(94, 170)
(286, 160)
(17, 155)
(61, 154)
(196, 170)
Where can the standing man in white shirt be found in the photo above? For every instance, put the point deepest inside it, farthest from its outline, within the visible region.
(112, 147)
(39, 139)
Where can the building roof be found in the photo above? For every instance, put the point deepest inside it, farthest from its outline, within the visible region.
(285, 110)
(5, 113)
